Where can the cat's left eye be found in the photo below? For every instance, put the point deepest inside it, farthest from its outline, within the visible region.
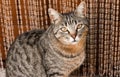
(79, 26)
(64, 29)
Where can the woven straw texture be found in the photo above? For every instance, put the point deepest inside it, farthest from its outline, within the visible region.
(103, 42)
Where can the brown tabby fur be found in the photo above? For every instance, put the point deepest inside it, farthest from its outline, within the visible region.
(56, 52)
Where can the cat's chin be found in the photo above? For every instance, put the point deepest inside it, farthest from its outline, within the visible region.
(74, 43)
(70, 43)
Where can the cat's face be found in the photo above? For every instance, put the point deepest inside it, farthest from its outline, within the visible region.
(69, 27)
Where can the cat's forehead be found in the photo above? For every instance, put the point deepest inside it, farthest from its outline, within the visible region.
(68, 16)
(70, 19)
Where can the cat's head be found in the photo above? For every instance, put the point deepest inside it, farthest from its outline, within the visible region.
(69, 27)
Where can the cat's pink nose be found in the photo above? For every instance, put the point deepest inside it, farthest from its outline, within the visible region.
(73, 35)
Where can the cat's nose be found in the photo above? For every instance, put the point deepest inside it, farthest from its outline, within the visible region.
(73, 35)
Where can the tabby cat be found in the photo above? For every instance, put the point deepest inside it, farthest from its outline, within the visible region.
(56, 52)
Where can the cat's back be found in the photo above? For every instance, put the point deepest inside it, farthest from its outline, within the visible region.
(30, 37)
(24, 58)
(25, 42)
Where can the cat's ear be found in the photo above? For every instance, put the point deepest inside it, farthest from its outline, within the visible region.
(55, 17)
(81, 10)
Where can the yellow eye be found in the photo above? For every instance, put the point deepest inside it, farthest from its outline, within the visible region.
(79, 26)
(64, 29)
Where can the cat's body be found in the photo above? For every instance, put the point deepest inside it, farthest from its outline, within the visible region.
(56, 52)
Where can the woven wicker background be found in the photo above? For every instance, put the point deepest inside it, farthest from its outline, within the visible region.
(103, 43)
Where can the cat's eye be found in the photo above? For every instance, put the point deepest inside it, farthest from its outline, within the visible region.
(64, 29)
(79, 26)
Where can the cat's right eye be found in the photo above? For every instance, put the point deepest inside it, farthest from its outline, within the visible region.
(79, 26)
(64, 29)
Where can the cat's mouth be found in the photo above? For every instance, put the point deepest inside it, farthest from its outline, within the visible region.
(74, 40)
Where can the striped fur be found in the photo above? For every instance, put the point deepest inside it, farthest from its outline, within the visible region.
(56, 52)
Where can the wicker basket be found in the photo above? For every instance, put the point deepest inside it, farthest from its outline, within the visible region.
(103, 43)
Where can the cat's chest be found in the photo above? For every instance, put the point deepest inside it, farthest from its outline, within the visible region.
(64, 62)
(69, 53)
